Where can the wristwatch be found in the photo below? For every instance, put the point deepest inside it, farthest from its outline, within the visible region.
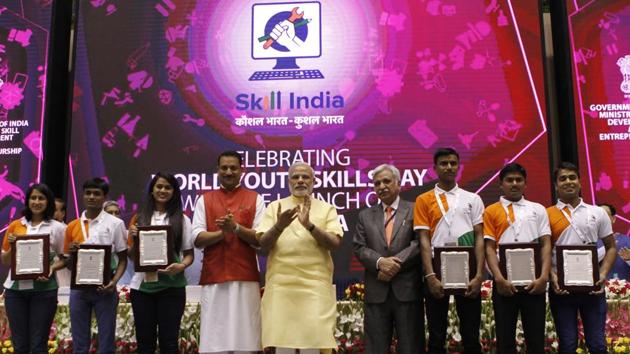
(311, 228)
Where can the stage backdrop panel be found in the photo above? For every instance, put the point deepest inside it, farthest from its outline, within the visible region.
(601, 83)
(24, 29)
(167, 85)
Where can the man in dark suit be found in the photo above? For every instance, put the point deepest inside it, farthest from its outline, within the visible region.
(387, 247)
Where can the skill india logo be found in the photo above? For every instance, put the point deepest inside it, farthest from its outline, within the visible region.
(624, 68)
(286, 32)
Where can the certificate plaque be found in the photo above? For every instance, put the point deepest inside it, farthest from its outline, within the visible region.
(30, 257)
(91, 266)
(454, 267)
(577, 268)
(520, 263)
(153, 248)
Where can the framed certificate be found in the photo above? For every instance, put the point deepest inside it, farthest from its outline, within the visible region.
(520, 263)
(30, 257)
(454, 267)
(153, 248)
(91, 266)
(577, 268)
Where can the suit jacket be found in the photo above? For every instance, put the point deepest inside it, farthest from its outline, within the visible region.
(370, 245)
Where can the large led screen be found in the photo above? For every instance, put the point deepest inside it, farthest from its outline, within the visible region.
(601, 79)
(343, 85)
(24, 31)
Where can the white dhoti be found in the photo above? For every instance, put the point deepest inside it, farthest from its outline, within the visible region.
(230, 317)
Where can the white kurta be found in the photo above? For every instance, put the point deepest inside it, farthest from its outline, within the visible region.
(230, 317)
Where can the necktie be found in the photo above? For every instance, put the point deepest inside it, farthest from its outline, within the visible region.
(511, 212)
(389, 228)
(444, 201)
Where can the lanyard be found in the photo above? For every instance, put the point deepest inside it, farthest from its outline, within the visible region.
(451, 209)
(577, 230)
(83, 230)
(517, 224)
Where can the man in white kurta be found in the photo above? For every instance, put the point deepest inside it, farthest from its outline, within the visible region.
(299, 304)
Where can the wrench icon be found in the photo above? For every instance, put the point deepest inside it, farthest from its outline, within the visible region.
(294, 17)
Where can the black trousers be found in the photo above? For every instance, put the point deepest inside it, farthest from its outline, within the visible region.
(158, 315)
(407, 317)
(30, 314)
(532, 310)
(469, 313)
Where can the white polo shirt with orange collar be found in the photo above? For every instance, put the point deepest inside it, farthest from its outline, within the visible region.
(448, 215)
(515, 222)
(105, 229)
(584, 224)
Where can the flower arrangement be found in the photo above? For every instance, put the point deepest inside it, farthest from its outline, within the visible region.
(486, 290)
(124, 294)
(355, 292)
(618, 319)
(125, 330)
(7, 346)
(349, 330)
(617, 289)
(620, 345)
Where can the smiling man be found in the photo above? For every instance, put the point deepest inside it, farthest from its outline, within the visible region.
(513, 219)
(450, 216)
(299, 307)
(223, 227)
(574, 222)
(384, 242)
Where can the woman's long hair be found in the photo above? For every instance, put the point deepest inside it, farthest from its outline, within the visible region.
(173, 208)
(50, 201)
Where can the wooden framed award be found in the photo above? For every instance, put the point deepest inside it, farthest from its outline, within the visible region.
(91, 266)
(30, 257)
(577, 268)
(520, 263)
(153, 248)
(454, 268)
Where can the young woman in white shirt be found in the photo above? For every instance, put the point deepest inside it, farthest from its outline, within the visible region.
(31, 304)
(159, 302)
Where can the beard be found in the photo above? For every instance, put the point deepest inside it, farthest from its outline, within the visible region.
(300, 192)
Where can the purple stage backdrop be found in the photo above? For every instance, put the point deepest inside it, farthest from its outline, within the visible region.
(166, 85)
(601, 85)
(24, 29)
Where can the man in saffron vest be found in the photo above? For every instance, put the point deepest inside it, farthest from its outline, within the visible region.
(223, 227)
(299, 307)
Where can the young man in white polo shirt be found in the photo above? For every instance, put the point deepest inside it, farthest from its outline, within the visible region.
(444, 216)
(96, 227)
(574, 222)
(513, 219)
